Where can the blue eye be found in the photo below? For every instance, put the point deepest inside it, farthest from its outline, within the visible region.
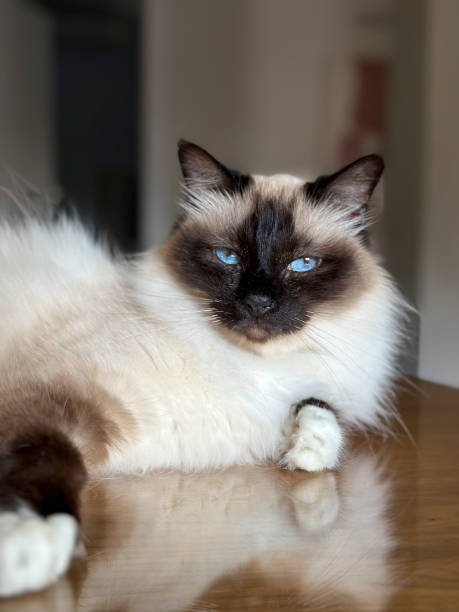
(303, 264)
(227, 256)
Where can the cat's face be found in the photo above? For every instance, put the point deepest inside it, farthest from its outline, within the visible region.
(264, 254)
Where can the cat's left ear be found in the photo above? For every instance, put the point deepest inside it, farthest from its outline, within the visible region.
(350, 187)
(203, 172)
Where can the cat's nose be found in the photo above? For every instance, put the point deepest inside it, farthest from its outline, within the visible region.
(258, 304)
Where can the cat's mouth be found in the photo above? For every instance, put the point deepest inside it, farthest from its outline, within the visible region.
(258, 328)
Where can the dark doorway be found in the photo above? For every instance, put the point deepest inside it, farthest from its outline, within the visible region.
(96, 98)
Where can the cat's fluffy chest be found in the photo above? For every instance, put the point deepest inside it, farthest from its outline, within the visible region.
(201, 402)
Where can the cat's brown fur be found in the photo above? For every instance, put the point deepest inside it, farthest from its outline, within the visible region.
(51, 434)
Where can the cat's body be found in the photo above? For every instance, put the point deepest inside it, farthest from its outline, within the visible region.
(125, 366)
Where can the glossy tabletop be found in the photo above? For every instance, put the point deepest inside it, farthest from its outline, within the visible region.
(382, 533)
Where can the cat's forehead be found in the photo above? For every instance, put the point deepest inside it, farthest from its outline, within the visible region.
(325, 223)
(220, 210)
(277, 184)
(286, 194)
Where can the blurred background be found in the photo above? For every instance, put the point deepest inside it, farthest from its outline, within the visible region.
(95, 93)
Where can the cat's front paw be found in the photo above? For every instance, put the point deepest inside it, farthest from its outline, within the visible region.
(34, 550)
(316, 440)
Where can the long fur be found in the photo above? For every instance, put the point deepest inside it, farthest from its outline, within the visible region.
(176, 360)
(72, 311)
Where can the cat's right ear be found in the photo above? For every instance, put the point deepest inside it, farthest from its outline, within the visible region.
(202, 172)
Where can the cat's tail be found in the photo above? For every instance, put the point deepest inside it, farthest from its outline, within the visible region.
(42, 474)
(41, 477)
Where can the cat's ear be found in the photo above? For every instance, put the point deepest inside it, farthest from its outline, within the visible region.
(203, 172)
(350, 187)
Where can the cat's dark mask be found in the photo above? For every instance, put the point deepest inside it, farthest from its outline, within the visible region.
(265, 254)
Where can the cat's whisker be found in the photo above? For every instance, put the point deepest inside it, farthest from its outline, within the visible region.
(358, 367)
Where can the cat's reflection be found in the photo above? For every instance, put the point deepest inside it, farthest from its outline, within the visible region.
(246, 538)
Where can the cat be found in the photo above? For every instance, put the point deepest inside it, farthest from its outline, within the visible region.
(261, 330)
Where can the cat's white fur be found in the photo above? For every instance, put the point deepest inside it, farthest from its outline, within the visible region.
(197, 400)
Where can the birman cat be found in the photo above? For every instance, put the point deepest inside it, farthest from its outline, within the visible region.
(261, 331)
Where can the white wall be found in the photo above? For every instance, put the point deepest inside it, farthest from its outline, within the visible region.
(26, 115)
(438, 276)
(193, 87)
(400, 223)
(243, 78)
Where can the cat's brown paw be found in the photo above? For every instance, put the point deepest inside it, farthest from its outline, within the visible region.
(311, 401)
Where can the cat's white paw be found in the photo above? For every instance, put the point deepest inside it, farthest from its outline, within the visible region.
(316, 440)
(34, 551)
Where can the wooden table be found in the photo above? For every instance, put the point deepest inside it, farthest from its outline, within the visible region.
(380, 534)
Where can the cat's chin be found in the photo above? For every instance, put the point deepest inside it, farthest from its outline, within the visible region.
(247, 334)
(257, 334)
(264, 341)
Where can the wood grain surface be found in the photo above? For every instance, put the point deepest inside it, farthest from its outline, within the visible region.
(382, 533)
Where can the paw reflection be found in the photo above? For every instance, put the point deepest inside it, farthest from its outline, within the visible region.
(316, 501)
